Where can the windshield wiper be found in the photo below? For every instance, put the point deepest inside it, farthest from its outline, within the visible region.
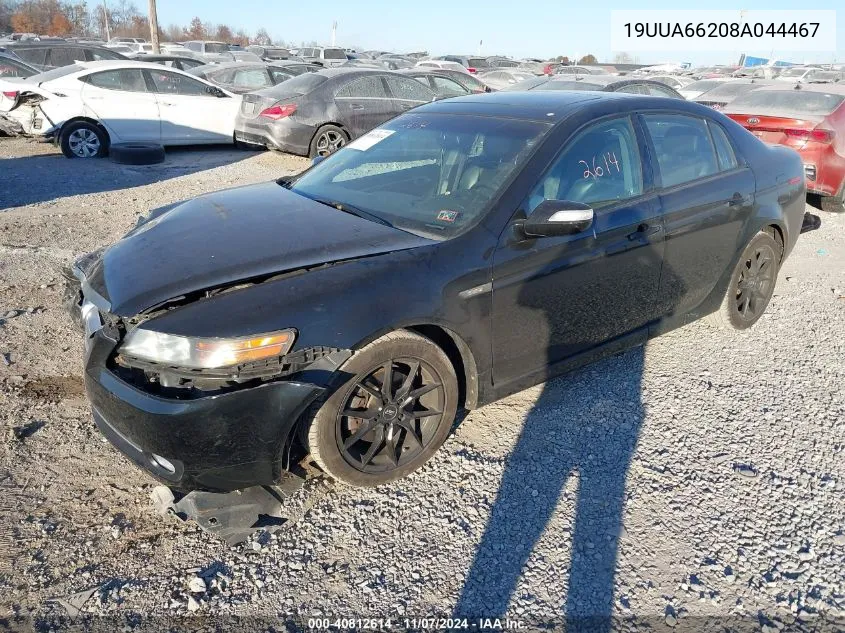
(353, 210)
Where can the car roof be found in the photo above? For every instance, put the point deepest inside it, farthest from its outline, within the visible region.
(56, 44)
(553, 105)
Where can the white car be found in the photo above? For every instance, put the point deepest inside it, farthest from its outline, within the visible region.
(87, 106)
(442, 63)
(798, 74)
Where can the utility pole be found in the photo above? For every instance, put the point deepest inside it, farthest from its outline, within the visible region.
(153, 19)
(106, 21)
(334, 32)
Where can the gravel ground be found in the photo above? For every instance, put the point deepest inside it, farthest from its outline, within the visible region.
(700, 477)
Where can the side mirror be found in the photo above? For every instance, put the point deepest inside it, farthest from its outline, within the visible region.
(214, 91)
(558, 217)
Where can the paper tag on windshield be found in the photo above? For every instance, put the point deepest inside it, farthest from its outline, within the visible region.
(369, 139)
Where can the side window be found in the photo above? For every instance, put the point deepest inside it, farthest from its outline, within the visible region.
(66, 55)
(37, 56)
(194, 46)
(364, 88)
(724, 149)
(96, 55)
(600, 167)
(127, 80)
(279, 76)
(174, 84)
(409, 90)
(448, 87)
(684, 150)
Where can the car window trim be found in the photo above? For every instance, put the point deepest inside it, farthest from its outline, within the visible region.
(710, 123)
(648, 189)
(84, 79)
(741, 162)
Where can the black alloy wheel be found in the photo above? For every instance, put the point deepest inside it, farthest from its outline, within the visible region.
(756, 282)
(752, 283)
(390, 415)
(386, 412)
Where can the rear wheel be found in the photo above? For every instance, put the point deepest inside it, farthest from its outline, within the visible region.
(84, 139)
(393, 408)
(752, 284)
(327, 140)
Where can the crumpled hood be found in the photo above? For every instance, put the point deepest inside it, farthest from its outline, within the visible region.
(231, 236)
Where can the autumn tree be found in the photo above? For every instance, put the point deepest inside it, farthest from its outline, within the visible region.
(563, 59)
(60, 26)
(223, 33)
(196, 31)
(262, 38)
(588, 59)
(241, 37)
(173, 33)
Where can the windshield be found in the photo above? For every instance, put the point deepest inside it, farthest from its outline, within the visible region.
(333, 53)
(792, 101)
(216, 47)
(428, 174)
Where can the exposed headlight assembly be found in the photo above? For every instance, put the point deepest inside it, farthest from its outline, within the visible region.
(205, 353)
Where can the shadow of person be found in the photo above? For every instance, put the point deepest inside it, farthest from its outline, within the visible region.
(579, 436)
(583, 426)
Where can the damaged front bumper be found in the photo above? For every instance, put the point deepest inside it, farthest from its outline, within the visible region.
(216, 441)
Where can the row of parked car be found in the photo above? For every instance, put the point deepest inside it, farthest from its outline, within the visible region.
(297, 105)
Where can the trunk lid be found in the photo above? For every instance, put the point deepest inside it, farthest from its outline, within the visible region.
(772, 129)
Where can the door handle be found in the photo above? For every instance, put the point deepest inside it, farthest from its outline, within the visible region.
(167, 103)
(355, 106)
(739, 200)
(644, 230)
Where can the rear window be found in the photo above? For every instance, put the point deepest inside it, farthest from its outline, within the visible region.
(729, 89)
(55, 73)
(478, 62)
(792, 101)
(703, 86)
(297, 86)
(569, 85)
(333, 53)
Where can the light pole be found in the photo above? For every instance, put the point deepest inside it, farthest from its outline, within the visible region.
(106, 21)
(153, 19)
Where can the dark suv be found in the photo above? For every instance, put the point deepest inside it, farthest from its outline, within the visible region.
(48, 55)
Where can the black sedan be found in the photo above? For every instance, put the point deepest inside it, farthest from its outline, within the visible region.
(602, 83)
(455, 255)
(318, 113)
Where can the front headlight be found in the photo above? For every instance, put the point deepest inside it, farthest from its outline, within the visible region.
(205, 353)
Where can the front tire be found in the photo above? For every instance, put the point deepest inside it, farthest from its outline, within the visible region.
(84, 139)
(404, 391)
(752, 284)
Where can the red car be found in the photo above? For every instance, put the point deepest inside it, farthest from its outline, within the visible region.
(811, 120)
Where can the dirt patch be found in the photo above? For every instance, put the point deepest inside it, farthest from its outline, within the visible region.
(54, 388)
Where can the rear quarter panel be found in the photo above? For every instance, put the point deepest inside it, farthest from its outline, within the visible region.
(781, 191)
